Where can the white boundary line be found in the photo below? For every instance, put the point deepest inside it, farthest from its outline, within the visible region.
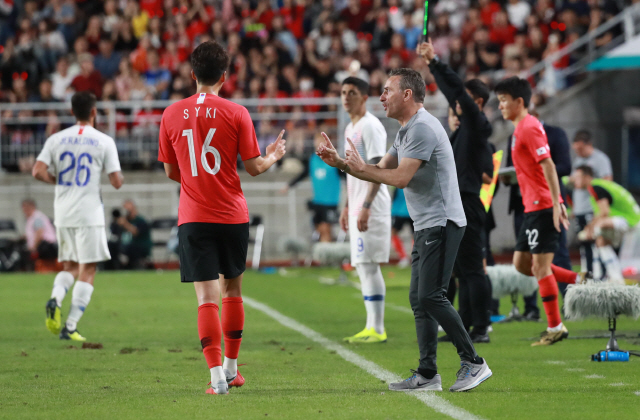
(437, 403)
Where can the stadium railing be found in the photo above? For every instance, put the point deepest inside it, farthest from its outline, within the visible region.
(581, 52)
(24, 127)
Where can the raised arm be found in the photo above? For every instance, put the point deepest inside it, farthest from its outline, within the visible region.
(259, 164)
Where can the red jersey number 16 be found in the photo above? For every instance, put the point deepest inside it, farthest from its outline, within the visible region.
(206, 148)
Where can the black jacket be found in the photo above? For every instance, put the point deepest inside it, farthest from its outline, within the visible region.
(469, 141)
(561, 156)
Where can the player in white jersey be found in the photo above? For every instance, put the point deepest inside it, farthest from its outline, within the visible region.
(73, 160)
(367, 213)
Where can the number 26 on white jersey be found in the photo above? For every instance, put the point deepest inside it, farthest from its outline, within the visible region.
(206, 148)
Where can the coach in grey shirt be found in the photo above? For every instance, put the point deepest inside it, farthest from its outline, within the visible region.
(588, 155)
(421, 162)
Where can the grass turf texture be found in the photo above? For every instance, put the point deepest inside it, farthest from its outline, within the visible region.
(152, 367)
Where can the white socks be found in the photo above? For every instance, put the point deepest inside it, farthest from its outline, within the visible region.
(611, 263)
(231, 366)
(61, 285)
(556, 328)
(80, 299)
(373, 291)
(217, 375)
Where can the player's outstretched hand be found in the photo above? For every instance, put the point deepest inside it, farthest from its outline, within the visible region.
(426, 51)
(353, 159)
(277, 149)
(327, 152)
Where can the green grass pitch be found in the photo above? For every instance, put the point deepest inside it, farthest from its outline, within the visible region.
(151, 366)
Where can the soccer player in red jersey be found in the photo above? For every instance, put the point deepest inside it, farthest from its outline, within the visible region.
(200, 139)
(543, 205)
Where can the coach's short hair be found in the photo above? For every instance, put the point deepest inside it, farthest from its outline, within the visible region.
(516, 88)
(361, 85)
(82, 103)
(583, 135)
(209, 62)
(478, 89)
(411, 79)
(586, 169)
(29, 201)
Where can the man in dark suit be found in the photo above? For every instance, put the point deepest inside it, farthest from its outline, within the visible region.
(561, 156)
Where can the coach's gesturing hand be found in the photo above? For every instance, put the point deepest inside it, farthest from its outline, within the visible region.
(329, 154)
(353, 159)
(277, 149)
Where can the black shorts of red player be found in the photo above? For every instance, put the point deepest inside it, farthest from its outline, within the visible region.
(209, 249)
(537, 234)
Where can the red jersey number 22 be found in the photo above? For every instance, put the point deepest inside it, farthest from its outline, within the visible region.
(206, 148)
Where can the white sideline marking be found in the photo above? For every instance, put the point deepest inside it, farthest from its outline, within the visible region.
(556, 362)
(594, 377)
(574, 370)
(637, 393)
(617, 384)
(437, 403)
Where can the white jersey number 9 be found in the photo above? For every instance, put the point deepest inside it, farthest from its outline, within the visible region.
(206, 148)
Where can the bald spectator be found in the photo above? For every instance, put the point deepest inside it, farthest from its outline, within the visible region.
(40, 233)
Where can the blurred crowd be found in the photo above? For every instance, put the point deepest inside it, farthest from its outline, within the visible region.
(128, 50)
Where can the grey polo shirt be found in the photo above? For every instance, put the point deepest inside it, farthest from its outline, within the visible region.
(601, 165)
(433, 194)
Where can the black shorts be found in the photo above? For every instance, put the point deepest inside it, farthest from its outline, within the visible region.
(209, 249)
(398, 223)
(324, 214)
(537, 234)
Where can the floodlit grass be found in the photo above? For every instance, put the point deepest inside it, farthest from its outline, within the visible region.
(151, 365)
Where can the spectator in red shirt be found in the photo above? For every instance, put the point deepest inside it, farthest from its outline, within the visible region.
(502, 32)
(89, 78)
(293, 13)
(488, 8)
(152, 7)
(355, 14)
(308, 91)
(93, 34)
(272, 91)
(472, 23)
(397, 49)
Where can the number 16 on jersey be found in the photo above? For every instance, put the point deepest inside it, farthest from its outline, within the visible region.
(206, 148)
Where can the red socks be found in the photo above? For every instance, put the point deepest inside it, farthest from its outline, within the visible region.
(549, 294)
(232, 325)
(398, 246)
(210, 333)
(563, 275)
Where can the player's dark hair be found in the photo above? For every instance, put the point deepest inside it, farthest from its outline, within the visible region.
(516, 88)
(478, 89)
(586, 169)
(583, 136)
(209, 62)
(411, 79)
(361, 85)
(82, 103)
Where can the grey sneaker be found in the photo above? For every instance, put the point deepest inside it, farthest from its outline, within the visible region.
(417, 382)
(470, 376)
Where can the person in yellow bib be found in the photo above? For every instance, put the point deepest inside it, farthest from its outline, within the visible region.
(615, 213)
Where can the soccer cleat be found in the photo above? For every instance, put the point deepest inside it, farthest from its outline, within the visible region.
(548, 338)
(65, 334)
(368, 336)
(479, 338)
(220, 389)
(584, 277)
(417, 382)
(470, 376)
(54, 315)
(236, 381)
